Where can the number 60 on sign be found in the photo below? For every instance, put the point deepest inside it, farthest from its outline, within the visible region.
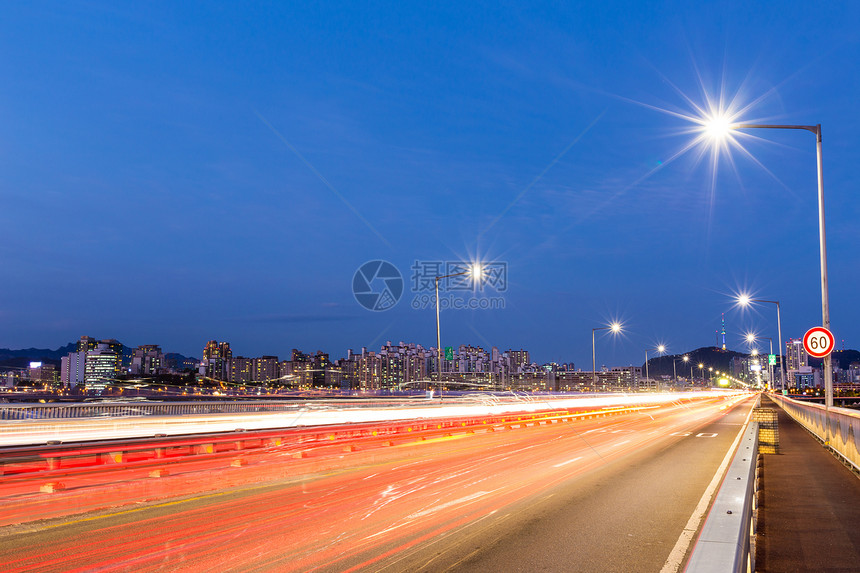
(818, 342)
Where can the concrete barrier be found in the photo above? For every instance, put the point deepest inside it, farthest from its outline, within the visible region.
(840, 431)
(727, 540)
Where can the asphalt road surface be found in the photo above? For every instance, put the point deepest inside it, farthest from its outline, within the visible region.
(602, 494)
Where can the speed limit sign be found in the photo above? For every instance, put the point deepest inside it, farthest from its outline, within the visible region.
(818, 342)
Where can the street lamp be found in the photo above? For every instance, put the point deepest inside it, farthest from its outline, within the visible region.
(615, 327)
(477, 272)
(718, 126)
(661, 348)
(751, 337)
(745, 300)
(685, 358)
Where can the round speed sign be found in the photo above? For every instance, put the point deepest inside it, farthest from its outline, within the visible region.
(818, 342)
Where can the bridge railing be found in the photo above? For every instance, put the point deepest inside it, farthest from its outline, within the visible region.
(43, 460)
(97, 410)
(840, 431)
(727, 540)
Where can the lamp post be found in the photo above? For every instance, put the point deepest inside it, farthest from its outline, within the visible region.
(615, 327)
(752, 338)
(721, 126)
(745, 300)
(661, 349)
(685, 358)
(477, 272)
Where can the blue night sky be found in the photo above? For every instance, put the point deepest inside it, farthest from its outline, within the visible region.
(172, 173)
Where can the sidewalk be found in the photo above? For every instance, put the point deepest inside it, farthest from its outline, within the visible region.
(809, 514)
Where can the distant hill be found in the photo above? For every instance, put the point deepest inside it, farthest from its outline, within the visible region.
(710, 356)
(22, 358)
(842, 357)
(175, 360)
(38, 353)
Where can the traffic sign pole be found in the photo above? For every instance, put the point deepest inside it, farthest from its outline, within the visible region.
(818, 343)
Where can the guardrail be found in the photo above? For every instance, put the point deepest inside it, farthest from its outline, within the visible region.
(112, 424)
(73, 411)
(839, 432)
(97, 475)
(59, 459)
(727, 541)
(90, 410)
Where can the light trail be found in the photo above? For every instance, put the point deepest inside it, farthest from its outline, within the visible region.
(363, 513)
(26, 432)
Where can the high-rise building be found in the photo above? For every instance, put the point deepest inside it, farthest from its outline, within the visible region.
(41, 374)
(241, 370)
(854, 373)
(73, 369)
(795, 354)
(102, 365)
(519, 359)
(147, 360)
(216, 360)
(86, 343)
(265, 369)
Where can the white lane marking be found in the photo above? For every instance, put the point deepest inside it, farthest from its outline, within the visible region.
(673, 563)
(620, 443)
(567, 462)
(448, 504)
(392, 528)
(706, 435)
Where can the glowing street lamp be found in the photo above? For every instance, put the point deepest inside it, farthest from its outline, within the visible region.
(744, 300)
(661, 348)
(615, 327)
(685, 358)
(719, 126)
(477, 272)
(751, 338)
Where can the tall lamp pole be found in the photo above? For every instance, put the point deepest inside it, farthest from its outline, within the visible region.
(822, 245)
(745, 300)
(615, 327)
(685, 358)
(477, 272)
(661, 349)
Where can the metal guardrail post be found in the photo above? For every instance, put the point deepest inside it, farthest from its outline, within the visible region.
(727, 540)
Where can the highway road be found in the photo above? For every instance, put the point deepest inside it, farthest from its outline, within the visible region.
(603, 494)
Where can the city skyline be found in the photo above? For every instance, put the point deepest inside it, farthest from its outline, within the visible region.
(224, 174)
(761, 347)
